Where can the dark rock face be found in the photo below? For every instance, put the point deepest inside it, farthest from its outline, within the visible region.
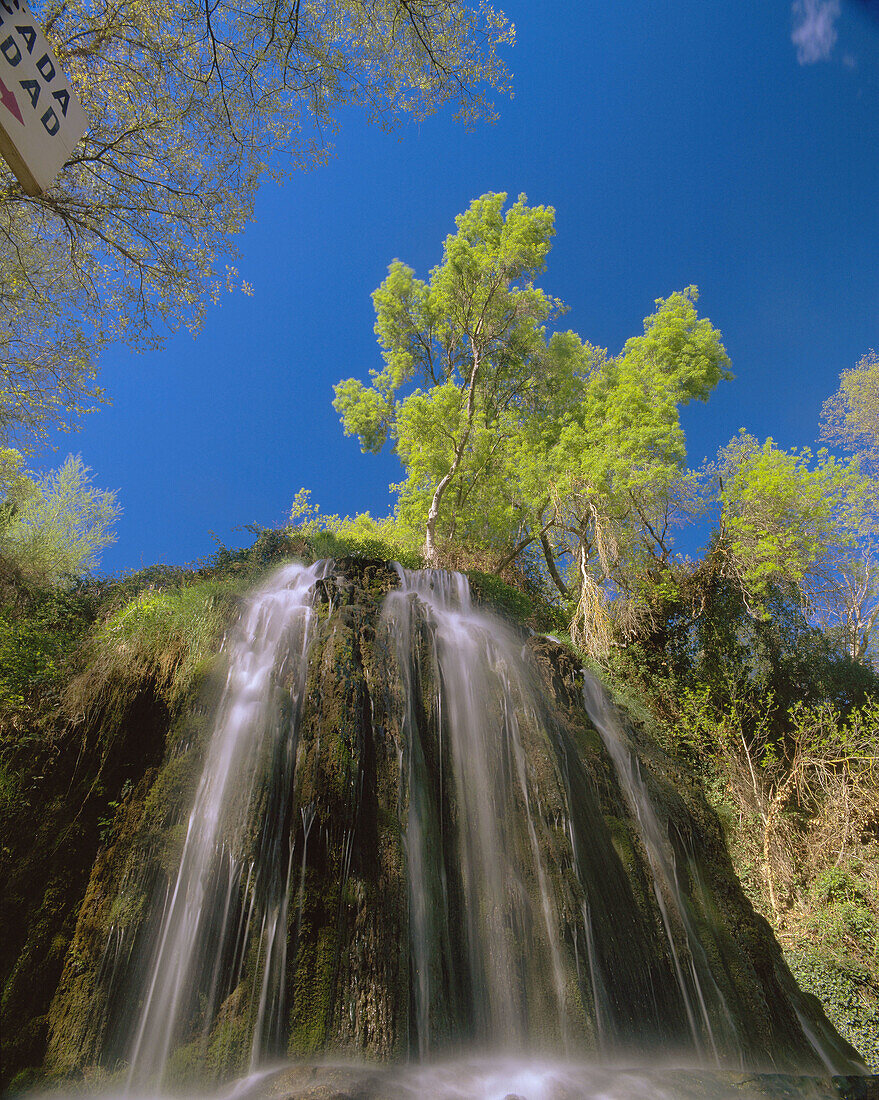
(349, 978)
(47, 857)
(351, 985)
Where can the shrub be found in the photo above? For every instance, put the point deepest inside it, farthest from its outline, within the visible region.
(165, 634)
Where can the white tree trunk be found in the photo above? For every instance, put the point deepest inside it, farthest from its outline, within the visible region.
(430, 552)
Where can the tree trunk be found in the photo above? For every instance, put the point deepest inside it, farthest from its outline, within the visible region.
(430, 552)
(551, 566)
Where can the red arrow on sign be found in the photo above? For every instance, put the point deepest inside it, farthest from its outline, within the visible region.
(10, 102)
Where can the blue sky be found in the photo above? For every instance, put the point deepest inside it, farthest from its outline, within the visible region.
(731, 145)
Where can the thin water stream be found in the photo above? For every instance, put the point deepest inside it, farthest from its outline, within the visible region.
(231, 892)
(697, 986)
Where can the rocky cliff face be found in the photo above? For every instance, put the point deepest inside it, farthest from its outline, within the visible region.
(589, 941)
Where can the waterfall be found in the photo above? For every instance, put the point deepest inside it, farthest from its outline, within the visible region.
(449, 849)
(483, 698)
(555, 940)
(693, 975)
(231, 891)
(506, 840)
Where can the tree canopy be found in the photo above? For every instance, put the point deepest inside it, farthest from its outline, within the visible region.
(786, 517)
(53, 528)
(544, 451)
(851, 416)
(850, 419)
(509, 438)
(618, 468)
(190, 107)
(471, 340)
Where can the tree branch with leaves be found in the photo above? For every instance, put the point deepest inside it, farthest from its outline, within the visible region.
(192, 105)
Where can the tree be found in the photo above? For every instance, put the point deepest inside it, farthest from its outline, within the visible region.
(15, 483)
(510, 439)
(618, 466)
(53, 528)
(472, 337)
(191, 106)
(847, 603)
(851, 416)
(786, 518)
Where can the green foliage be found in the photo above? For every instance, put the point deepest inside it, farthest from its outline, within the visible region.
(164, 635)
(360, 536)
(851, 416)
(514, 603)
(189, 109)
(703, 640)
(617, 467)
(53, 528)
(625, 435)
(505, 435)
(26, 1081)
(9, 790)
(357, 544)
(15, 484)
(784, 655)
(847, 994)
(471, 341)
(271, 548)
(39, 634)
(512, 441)
(107, 823)
(784, 514)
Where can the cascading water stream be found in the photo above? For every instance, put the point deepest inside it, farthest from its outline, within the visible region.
(504, 839)
(230, 896)
(502, 892)
(693, 975)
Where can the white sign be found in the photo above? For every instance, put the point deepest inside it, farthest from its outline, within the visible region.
(41, 118)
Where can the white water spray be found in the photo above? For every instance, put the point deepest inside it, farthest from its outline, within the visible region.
(483, 695)
(229, 890)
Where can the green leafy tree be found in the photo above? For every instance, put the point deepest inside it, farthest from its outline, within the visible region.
(618, 466)
(850, 419)
(848, 603)
(509, 439)
(53, 528)
(190, 107)
(851, 416)
(471, 340)
(15, 483)
(788, 517)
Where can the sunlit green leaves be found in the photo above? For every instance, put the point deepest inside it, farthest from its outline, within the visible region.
(191, 107)
(365, 412)
(618, 466)
(471, 340)
(786, 512)
(851, 416)
(56, 529)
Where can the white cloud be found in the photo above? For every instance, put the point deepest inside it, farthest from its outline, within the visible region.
(814, 33)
